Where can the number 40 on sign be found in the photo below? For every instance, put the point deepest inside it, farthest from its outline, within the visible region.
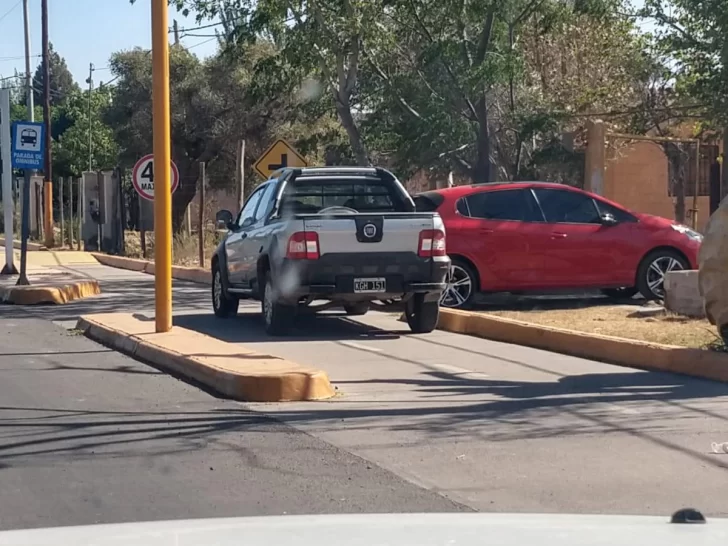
(143, 177)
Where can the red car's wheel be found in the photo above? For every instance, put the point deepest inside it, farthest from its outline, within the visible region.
(652, 270)
(462, 285)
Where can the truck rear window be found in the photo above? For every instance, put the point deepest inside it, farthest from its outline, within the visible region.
(309, 197)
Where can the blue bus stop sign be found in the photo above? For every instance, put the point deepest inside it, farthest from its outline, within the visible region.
(28, 145)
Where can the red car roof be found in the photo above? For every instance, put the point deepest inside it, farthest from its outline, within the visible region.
(457, 191)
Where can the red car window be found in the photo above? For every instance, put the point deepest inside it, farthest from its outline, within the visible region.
(518, 205)
(567, 207)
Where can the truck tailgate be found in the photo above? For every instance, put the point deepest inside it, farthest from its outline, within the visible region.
(362, 233)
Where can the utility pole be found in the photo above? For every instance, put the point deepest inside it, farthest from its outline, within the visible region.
(48, 174)
(90, 83)
(176, 32)
(25, 211)
(162, 168)
(240, 173)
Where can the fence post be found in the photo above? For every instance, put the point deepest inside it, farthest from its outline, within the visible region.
(70, 210)
(80, 212)
(201, 217)
(61, 181)
(142, 232)
(240, 173)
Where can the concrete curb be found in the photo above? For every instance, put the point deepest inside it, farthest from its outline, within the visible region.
(228, 369)
(58, 294)
(626, 352)
(191, 274)
(635, 354)
(31, 246)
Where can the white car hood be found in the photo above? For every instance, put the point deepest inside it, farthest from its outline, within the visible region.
(387, 530)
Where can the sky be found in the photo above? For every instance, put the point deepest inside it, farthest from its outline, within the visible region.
(86, 31)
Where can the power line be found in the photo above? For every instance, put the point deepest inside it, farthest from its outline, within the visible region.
(200, 43)
(2, 59)
(11, 10)
(171, 30)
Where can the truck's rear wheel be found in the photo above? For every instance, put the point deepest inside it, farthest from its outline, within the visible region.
(278, 318)
(422, 316)
(356, 309)
(223, 305)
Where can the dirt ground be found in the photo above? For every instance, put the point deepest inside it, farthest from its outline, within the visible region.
(628, 321)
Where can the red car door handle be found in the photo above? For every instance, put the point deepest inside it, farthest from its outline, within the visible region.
(558, 235)
(486, 230)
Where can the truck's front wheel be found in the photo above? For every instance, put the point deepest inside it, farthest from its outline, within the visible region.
(278, 318)
(422, 316)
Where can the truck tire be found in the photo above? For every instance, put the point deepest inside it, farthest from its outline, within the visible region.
(422, 316)
(223, 304)
(278, 318)
(356, 309)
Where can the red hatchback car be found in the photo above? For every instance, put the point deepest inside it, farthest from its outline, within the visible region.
(534, 236)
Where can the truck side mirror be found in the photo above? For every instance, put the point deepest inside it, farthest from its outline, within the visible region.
(224, 219)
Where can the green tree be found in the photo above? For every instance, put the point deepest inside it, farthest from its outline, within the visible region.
(480, 86)
(325, 38)
(87, 134)
(214, 104)
(62, 83)
(694, 35)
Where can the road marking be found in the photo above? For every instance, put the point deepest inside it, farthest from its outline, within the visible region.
(446, 368)
(456, 370)
(355, 345)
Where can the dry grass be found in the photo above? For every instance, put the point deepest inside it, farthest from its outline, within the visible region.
(626, 321)
(184, 248)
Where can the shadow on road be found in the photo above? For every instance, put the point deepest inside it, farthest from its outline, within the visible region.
(588, 404)
(248, 328)
(51, 431)
(116, 297)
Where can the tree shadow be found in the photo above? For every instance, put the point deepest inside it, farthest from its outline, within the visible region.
(458, 406)
(55, 431)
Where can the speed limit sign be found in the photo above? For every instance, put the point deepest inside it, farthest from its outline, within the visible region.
(143, 177)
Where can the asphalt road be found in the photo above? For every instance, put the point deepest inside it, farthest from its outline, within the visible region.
(493, 426)
(91, 436)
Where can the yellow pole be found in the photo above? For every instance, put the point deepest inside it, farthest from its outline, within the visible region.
(162, 168)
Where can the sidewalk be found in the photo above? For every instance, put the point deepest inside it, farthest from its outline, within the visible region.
(50, 281)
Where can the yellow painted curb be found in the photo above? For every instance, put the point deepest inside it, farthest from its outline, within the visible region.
(58, 294)
(192, 274)
(627, 352)
(227, 368)
(120, 262)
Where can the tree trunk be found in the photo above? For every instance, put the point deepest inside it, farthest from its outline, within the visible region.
(481, 170)
(352, 130)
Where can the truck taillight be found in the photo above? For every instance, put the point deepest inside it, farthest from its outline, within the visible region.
(432, 243)
(303, 245)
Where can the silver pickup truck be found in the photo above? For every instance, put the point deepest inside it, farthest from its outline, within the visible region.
(349, 236)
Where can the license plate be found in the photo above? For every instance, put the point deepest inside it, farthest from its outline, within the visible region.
(363, 286)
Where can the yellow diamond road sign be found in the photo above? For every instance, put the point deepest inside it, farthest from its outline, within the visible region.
(279, 155)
